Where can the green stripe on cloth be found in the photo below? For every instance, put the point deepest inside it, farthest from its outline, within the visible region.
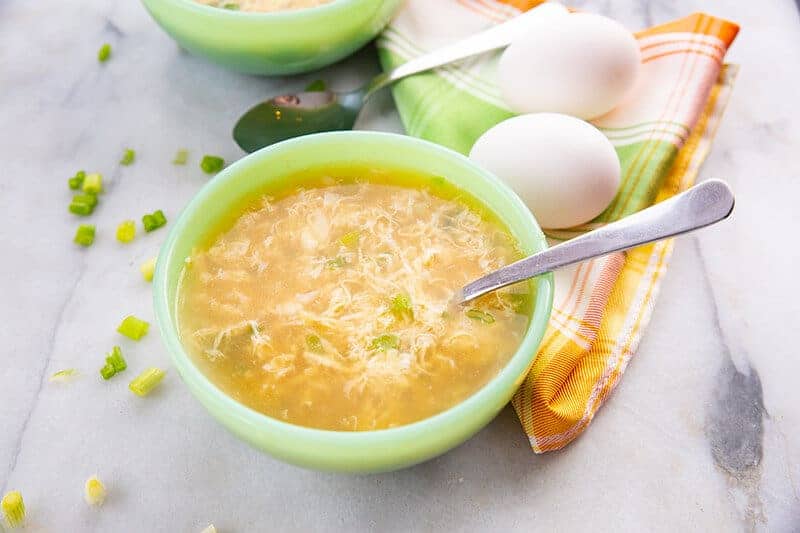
(648, 158)
(429, 106)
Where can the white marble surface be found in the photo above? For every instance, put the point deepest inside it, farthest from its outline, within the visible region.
(683, 444)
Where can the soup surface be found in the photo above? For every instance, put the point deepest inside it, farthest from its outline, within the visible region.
(328, 304)
(263, 5)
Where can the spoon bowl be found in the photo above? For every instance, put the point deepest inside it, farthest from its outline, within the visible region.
(293, 115)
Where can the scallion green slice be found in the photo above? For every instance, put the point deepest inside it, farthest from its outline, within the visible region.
(154, 220)
(94, 492)
(315, 344)
(85, 235)
(385, 342)
(350, 239)
(133, 328)
(83, 204)
(13, 508)
(62, 376)
(148, 268)
(480, 316)
(128, 157)
(401, 306)
(116, 360)
(108, 372)
(93, 183)
(336, 262)
(145, 382)
(76, 181)
(104, 53)
(181, 156)
(212, 164)
(126, 231)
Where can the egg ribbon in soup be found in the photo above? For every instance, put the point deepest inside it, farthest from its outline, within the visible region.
(328, 305)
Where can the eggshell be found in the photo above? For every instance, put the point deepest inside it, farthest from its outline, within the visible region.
(580, 64)
(564, 169)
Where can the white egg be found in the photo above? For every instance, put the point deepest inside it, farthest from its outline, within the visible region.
(579, 64)
(564, 169)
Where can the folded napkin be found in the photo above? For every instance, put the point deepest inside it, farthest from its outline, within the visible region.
(662, 134)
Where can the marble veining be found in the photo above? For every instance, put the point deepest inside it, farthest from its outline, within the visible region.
(703, 433)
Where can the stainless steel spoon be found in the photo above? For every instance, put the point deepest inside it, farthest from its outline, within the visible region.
(292, 115)
(698, 207)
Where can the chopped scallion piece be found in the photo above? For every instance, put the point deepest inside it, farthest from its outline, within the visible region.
(314, 344)
(481, 316)
(62, 376)
(154, 220)
(116, 360)
(85, 235)
(230, 5)
(89, 198)
(76, 181)
(146, 381)
(115, 364)
(94, 492)
(350, 239)
(83, 204)
(385, 342)
(128, 157)
(521, 302)
(212, 164)
(93, 183)
(148, 268)
(181, 156)
(126, 231)
(13, 508)
(316, 86)
(401, 306)
(104, 53)
(133, 328)
(337, 262)
(108, 372)
(81, 209)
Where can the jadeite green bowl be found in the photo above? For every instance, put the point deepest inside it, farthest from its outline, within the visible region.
(365, 451)
(275, 43)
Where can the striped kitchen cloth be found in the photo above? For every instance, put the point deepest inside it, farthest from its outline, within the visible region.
(662, 134)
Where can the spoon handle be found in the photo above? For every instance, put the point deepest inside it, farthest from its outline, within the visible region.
(700, 206)
(496, 37)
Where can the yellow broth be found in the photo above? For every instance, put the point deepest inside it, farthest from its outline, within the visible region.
(326, 301)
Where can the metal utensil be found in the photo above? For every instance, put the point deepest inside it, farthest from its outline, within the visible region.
(292, 115)
(698, 207)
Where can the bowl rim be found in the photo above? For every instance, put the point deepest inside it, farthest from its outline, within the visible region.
(284, 15)
(508, 378)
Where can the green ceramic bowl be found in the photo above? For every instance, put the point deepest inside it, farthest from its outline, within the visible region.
(277, 43)
(366, 451)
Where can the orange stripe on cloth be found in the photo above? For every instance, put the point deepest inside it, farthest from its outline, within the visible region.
(522, 5)
(562, 362)
(558, 400)
(725, 30)
(715, 57)
(643, 157)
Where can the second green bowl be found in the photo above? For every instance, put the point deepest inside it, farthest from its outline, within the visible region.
(274, 43)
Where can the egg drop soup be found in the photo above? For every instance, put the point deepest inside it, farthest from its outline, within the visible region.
(326, 301)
